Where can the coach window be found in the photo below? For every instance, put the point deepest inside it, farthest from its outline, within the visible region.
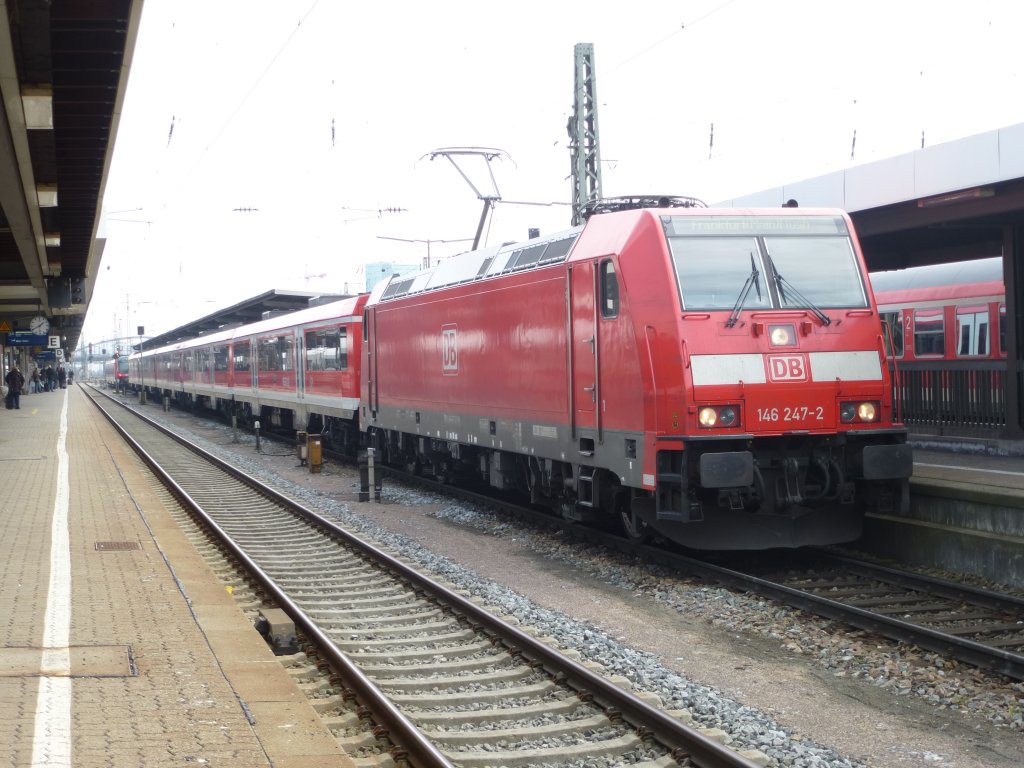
(609, 290)
(266, 358)
(286, 352)
(342, 354)
(314, 350)
(326, 350)
(241, 356)
(275, 353)
(203, 361)
(220, 358)
(929, 333)
(893, 333)
(972, 331)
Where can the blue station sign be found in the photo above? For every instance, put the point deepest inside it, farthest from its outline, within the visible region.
(26, 339)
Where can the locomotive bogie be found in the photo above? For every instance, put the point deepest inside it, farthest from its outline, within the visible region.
(783, 491)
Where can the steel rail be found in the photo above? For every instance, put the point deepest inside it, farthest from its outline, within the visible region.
(933, 584)
(978, 654)
(683, 740)
(410, 743)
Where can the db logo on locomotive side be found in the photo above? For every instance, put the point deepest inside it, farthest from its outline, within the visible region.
(449, 350)
(786, 367)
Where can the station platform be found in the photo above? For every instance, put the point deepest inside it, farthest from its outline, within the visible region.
(966, 511)
(118, 645)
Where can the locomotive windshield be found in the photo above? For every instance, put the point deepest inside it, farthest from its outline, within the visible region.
(716, 257)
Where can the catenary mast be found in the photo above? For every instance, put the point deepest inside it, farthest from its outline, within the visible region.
(584, 144)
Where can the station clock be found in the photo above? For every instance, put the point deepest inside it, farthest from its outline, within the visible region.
(39, 325)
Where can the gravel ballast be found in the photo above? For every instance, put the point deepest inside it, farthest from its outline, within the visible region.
(804, 691)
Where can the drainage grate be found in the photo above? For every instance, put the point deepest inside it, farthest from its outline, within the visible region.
(117, 546)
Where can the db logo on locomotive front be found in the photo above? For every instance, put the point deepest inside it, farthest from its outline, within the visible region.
(786, 367)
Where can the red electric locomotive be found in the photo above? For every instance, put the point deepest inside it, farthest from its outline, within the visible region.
(717, 377)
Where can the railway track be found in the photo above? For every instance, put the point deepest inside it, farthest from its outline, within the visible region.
(978, 626)
(431, 678)
(974, 625)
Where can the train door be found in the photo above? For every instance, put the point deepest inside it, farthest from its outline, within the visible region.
(892, 334)
(584, 384)
(299, 346)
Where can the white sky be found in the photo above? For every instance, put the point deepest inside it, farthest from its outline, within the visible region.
(230, 105)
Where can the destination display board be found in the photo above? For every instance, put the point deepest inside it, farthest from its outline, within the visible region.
(26, 339)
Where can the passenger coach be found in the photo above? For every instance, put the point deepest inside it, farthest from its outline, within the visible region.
(295, 371)
(946, 326)
(954, 311)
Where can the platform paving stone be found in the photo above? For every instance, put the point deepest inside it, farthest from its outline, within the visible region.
(165, 669)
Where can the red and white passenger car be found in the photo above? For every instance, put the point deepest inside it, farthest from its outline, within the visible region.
(946, 327)
(954, 311)
(298, 370)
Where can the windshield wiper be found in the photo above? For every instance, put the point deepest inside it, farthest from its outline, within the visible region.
(751, 281)
(782, 283)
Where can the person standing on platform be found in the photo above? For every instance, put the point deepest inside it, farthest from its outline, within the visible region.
(62, 377)
(34, 386)
(15, 381)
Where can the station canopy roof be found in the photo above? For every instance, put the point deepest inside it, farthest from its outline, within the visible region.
(63, 75)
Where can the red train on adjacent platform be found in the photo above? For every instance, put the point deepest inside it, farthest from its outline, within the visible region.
(115, 371)
(946, 328)
(954, 311)
(717, 377)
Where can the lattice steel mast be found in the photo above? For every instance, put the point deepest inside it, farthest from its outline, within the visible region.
(584, 143)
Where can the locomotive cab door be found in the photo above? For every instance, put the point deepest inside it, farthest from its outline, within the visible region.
(584, 378)
(370, 363)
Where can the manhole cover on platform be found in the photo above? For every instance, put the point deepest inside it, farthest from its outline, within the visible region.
(117, 546)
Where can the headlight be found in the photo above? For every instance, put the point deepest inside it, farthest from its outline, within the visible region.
(858, 412)
(727, 416)
(781, 335)
(866, 412)
(718, 416)
(708, 417)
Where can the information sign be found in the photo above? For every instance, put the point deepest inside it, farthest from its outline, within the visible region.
(26, 339)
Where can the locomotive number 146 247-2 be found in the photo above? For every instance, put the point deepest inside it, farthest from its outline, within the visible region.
(791, 413)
